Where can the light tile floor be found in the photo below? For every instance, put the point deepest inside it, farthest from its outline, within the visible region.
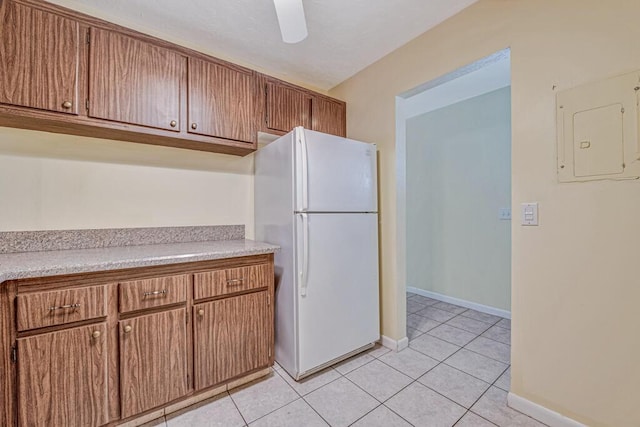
(454, 373)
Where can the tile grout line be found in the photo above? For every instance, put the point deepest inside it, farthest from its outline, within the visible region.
(461, 347)
(485, 392)
(341, 375)
(383, 403)
(238, 409)
(270, 412)
(481, 334)
(413, 381)
(458, 350)
(458, 314)
(419, 383)
(309, 404)
(492, 384)
(448, 303)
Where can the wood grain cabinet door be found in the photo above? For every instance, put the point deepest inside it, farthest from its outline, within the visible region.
(39, 58)
(153, 360)
(131, 81)
(286, 107)
(221, 101)
(231, 337)
(328, 116)
(62, 378)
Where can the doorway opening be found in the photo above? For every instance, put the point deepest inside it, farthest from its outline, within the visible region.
(453, 151)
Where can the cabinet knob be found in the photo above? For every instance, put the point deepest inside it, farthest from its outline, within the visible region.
(201, 312)
(194, 126)
(96, 334)
(127, 329)
(173, 123)
(67, 104)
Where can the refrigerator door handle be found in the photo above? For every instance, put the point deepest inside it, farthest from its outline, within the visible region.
(305, 169)
(304, 271)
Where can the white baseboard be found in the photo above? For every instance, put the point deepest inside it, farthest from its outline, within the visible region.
(461, 302)
(395, 345)
(540, 413)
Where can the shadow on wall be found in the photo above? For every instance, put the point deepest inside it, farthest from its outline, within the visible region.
(28, 143)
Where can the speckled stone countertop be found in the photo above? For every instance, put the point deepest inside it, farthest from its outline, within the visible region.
(52, 263)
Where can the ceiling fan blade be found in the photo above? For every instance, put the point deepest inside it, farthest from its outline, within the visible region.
(293, 25)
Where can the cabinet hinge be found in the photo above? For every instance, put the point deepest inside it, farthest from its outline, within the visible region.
(269, 351)
(87, 104)
(268, 300)
(187, 317)
(14, 354)
(88, 36)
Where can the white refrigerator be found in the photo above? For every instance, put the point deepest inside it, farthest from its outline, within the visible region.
(316, 197)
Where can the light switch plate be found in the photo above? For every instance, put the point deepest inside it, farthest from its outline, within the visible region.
(504, 213)
(529, 214)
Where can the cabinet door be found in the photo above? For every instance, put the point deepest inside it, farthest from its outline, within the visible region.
(153, 360)
(221, 101)
(131, 81)
(232, 336)
(287, 107)
(39, 57)
(328, 117)
(62, 378)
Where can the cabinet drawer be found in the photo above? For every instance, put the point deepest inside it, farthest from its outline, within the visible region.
(156, 292)
(57, 307)
(231, 280)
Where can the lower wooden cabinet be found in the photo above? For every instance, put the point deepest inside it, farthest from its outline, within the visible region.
(90, 350)
(62, 378)
(231, 336)
(153, 360)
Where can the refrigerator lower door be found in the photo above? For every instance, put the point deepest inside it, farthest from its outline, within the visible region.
(338, 292)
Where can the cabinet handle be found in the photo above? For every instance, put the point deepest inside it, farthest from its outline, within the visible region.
(127, 329)
(235, 282)
(96, 334)
(173, 123)
(194, 126)
(148, 294)
(63, 307)
(201, 312)
(67, 104)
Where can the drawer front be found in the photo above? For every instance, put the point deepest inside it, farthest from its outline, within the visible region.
(149, 293)
(51, 308)
(231, 280)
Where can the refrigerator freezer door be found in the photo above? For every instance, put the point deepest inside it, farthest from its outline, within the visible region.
(334, 174)
(339, 311)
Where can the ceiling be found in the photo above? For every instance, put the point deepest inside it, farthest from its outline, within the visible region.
(345, 36)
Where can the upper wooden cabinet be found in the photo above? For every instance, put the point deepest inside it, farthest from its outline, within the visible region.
(328, 116)
(116, 83)
(39, 59)
(286, 107)
(135, 82)
(221, 101)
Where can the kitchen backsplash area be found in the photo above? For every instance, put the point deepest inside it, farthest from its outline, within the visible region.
(52, 240)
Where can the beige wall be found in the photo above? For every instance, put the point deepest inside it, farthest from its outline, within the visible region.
(458, 176)
(51, 181)
(575, 287)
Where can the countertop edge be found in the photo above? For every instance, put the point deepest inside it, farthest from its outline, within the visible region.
(143, 261)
